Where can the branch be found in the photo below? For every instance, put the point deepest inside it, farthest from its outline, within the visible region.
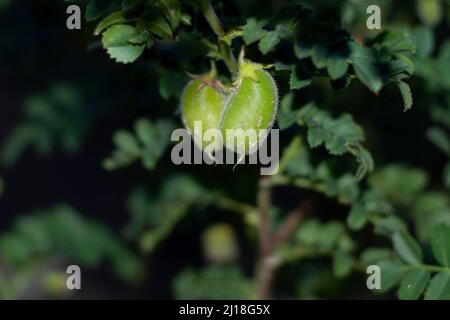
(265, 225)
(266, 268)
(291, 222)
(268, 242)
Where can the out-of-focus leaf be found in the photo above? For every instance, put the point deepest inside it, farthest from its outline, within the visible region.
(342, 264)
(336, 67)
(268, 42)
(440, 244)
(253, 30)
(439, 287)
(373, 254)
(96, 8)
(439, 138)
(364, 62)
(215, 282)
(400, 183)
(391, 273)
(407, 248)
(413, 284)
(61, 232)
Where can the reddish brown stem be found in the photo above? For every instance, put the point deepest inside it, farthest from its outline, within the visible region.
(290, 223)
(268, 241)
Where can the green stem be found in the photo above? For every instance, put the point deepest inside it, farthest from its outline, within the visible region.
(298, 182)
(217, 27)
(428, 267)
(248, 211)
(228, 58)
(211, 17)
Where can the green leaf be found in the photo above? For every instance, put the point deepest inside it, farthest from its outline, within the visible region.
(96, 8)
(339, 135)
(118, 35)
(423, 39)
(342, 264)
(253, 30)
(130, 4)
(439, 287)
(60, 232)
(114, 18)
(358, 217)
(319, 56)
(150, 144)
(365, 64)
(286, 118)
(397, 41)
(126, 54)
(400, 183)
(121, 42)
(268, 42)
(337, 67)
(348, 190)
(446, 175)
(171, 84)
(330, 234)
(171, 9)
(299, 79)
(302, 50)
(405, 90)
(126, 142)
(389, 225)
(440, 244)
(391, 274)
(407, 248)
(213, 282)
(439, 138)
(374, 254)
(404, 64)
(155, 22)
(413, 284)
(309, 232)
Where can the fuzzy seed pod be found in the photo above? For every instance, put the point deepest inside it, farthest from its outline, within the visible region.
(252, 104)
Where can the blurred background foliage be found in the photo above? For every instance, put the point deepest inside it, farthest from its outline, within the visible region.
(86, 176)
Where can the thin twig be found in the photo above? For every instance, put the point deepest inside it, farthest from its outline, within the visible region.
(290, 223)
(268, 241)
(215, 24)
(266, 267)
(265, 228)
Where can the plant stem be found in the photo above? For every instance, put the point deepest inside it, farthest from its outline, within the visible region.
(211, 17)
(249, 212)
(291, 222)
(428, 267)
(228, 58)
(217, 27)
(268, 240)
(266, 267)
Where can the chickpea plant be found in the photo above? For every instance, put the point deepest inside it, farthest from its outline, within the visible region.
(343, 198)
(297, 47)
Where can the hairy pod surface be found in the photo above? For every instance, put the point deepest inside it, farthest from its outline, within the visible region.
(252, 104)
(202, 101)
